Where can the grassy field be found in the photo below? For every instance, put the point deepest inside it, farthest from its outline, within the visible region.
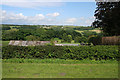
(5, 43)
(56, 68)
(14, 26)
(68, 43)
(95, 30)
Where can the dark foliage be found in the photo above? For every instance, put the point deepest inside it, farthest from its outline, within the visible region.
(96, 40)
(108, 17)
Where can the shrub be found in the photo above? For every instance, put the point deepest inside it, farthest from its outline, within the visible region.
(62, 52)
(96, 40)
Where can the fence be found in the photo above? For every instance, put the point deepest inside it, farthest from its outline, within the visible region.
(112, 40)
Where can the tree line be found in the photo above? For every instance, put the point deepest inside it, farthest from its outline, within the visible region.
(43, 34)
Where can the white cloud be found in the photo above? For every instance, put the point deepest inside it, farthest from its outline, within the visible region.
(82, 18)
(40, 16)
(71, 20)
(22, 19)
(86, 20)
(83, 21)
(12, 18)
(19, 16)
(53, 14)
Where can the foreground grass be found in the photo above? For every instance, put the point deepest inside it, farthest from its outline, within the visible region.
(56, 68)
(58, 61)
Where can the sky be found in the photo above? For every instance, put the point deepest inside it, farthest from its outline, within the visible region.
(48, 13)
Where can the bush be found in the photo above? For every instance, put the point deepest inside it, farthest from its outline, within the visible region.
(80, 39)
(62, 52)
(96, 40)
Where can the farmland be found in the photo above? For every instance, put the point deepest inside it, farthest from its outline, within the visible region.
(94, 30)
(49, 61)
(62, 40)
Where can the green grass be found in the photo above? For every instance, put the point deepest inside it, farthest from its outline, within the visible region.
(13, 26)
(58, 68)
(5, 43)
(58, 61)
(68, 43)
(94, 30)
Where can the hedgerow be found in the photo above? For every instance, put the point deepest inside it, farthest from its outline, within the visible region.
(99, 52)
(58, 61)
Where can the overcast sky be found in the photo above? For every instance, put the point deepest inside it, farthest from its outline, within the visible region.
(61, 13)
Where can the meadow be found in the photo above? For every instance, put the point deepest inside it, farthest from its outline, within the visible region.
(57, 68)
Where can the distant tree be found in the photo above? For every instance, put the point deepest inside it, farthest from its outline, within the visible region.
(5, 27)
(64, 37)
(108, 17)
(9, 35)
(75, 34)
(80, 39)
(31, 38)
(77, 39)
(50, 34)
(88, 33)
(41, 33)
(96, 40)
(52, 41)
(69, 38)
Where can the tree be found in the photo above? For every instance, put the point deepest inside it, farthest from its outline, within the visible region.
(80, 39)
(96, 40)
(108, 17)
(77, 39)
(88, 33)
(31, 38)
(40, 32)
(6, 28)
(64, 37)
(9, 35)
(69, 39)
(52, 41)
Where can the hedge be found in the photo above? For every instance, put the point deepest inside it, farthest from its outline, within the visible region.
(62, 52)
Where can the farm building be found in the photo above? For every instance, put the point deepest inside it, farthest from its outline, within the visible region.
(36, 43)
(28, 43)
(66, 44)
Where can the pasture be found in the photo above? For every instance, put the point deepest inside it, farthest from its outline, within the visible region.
(94, 30)
(57, 68)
